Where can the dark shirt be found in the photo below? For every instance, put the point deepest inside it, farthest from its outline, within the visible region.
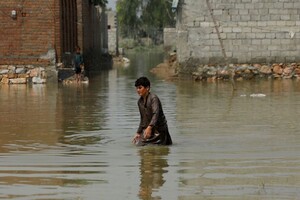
(77, 61)
(152, 114)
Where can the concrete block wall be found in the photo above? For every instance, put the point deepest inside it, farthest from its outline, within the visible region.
(252, 31)
(112, 32)
(169, 38)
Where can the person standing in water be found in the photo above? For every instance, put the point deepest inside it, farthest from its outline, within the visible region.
(153, 127)
(78, 63)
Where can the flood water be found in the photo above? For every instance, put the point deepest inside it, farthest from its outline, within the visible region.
(71, 142)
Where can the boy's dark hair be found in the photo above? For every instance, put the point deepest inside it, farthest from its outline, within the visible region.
(143, 81)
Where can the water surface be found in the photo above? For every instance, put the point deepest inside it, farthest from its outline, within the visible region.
(73, 141)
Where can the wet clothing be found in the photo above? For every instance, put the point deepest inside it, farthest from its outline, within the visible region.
(78, 61)
(152, 114)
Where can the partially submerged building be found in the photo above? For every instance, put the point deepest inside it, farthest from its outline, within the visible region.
(41, 34)
(237, 31)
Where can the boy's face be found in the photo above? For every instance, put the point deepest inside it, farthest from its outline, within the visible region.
(142, 91)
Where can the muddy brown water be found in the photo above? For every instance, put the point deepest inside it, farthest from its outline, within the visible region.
(73, 141)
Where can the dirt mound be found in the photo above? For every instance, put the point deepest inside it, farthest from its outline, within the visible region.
(167, 69)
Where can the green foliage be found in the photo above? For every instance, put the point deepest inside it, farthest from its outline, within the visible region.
(127, 17)
(157, 13)
(144, 18)
(128, 43)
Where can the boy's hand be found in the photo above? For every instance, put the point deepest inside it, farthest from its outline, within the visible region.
(136, 138)
(147, 132)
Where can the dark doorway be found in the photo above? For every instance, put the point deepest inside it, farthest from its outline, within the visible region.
(68, 29)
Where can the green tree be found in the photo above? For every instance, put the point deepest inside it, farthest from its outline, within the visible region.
(144, 17)
(128, 20)
(158, 14)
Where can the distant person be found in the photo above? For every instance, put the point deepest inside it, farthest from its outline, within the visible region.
(78, 63)
(153, 127)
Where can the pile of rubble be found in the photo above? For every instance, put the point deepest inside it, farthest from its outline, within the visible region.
(172, 69)
(23, 74)
(247, 71)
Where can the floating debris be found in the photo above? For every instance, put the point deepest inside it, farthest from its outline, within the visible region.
(257, 95)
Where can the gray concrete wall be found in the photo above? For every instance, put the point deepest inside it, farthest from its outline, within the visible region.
(170, 39)
(112, 32)
(252, 31)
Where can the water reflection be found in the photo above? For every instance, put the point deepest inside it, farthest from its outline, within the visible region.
(73, 141)
(27, 114)
(247, 145)
(80, 109)
(152, 168)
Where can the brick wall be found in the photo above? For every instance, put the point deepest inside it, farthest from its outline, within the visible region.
(37, 29)
(27, 38)
(252, 31)
(43, 32)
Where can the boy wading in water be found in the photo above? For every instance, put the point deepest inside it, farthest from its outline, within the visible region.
(153, 127)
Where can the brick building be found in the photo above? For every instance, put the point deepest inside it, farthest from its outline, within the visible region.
(44, 32)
